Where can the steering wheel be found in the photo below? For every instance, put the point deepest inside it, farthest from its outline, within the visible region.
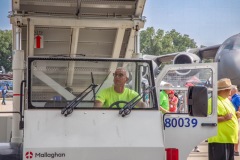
(117, 103)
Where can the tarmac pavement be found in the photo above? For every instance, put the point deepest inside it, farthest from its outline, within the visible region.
(203, 154)
(6, 108)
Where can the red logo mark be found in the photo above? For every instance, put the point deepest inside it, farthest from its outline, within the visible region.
(29, 155)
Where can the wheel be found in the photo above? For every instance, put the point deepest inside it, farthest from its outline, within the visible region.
(117, 104)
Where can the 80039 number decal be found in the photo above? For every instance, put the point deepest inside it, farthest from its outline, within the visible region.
(180, 122)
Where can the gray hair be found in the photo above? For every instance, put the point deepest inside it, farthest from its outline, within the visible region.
(234, 90)
(121, 68)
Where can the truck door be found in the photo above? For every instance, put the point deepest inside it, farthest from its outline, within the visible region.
(183, 129)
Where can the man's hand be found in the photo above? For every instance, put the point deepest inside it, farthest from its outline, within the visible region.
(228, 116)
(238, 114)
(98, 103)
(163, 110)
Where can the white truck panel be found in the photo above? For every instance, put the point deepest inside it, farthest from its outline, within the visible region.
(89, 134)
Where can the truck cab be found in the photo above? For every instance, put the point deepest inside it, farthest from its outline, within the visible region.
(71, 127)
(62, 122)
(65, 53)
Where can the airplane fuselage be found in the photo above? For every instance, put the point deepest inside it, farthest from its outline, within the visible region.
(228, 58)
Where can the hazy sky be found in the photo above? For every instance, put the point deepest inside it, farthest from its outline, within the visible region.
(208, 22)
(5, 7)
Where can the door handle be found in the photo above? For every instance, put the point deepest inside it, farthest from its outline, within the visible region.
(209, 124)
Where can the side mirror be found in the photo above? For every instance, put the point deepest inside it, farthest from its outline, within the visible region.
(198, 101)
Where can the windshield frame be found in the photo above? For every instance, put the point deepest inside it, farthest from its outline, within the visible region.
(154, 105)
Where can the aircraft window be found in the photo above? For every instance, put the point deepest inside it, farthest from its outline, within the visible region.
(229, 44)
(181, 80)
(237, 44)
(229, 47)
(57, 83)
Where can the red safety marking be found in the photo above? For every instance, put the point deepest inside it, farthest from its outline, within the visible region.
(38, 41)
(17, 95)
(172, 153)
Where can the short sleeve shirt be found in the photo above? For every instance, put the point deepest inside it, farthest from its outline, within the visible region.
(163, 100)
(173, 108)
(108, 96)
(236, 101)
(4, 93)
(227, 130)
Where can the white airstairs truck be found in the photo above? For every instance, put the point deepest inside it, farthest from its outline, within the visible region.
(65, 52)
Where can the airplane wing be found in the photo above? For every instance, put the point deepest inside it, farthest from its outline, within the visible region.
(190, 56)
(161, 58)
(208, 52)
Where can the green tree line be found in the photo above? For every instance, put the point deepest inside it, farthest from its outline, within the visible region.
(6, 49)
(159, 42)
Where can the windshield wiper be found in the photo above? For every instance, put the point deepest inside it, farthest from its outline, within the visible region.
(131, 104)
(68, 109)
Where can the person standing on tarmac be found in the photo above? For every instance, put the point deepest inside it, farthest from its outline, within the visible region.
(164, 100)
(235, 98)
(221, 146)
(173, 101)
(4, 95)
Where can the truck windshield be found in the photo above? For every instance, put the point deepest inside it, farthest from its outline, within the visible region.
(62, 82)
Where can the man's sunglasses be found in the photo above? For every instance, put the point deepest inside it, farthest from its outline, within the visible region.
(120, 75)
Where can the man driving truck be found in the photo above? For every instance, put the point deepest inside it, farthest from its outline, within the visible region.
(117, 92)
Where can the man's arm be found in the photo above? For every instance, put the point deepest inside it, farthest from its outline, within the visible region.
(238, 112)
(163, 110)
(98, 103)
(224, 118)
